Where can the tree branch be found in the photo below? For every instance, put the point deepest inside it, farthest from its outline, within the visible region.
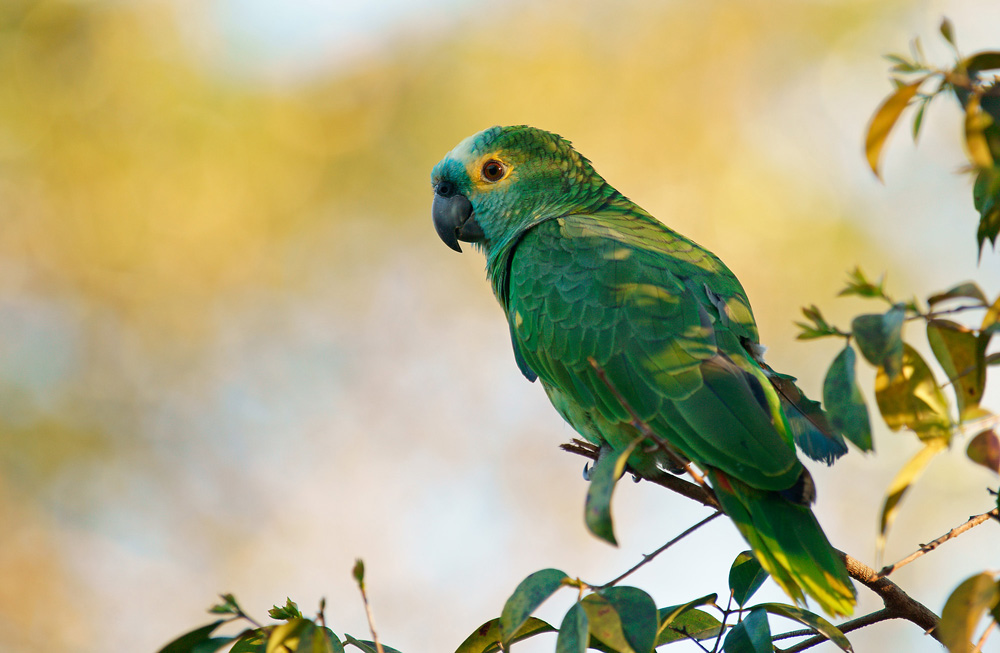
(702, 494)
(854, 624)
(898, 604)
(930, 546)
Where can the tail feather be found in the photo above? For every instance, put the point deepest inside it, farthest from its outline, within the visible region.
(789, 543)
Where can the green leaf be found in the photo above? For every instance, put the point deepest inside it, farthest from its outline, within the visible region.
(366, 645)
(958, 351)
(913, 399)
(859, 285)
(286, 636)
(968, 290)
(186, 642)
(693, 624)
(897, 59)
(986, 199)
(605, 623)
(228, 605)
(918, 117)
(359, 572)
(884, 119)
(752, 635)
(637, 612)
(745, 577)
(982, 61)
(844, 403)
(335, 644)
(251, 641)
(880, 338)
(573, 633)
(814, 621)
(963, 610)
(984, 449)
(318, 639)
(530, 593)
(607, 470)
(948, 32)
(212, 644)
(670, 614)
(904, 479)
(309, 642)
(486, 638)
(819, 328)
(289, 611)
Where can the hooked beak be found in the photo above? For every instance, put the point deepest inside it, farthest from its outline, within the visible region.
(453, 217)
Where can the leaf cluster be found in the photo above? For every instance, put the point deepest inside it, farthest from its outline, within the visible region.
(623, 619)
(908, 395)
(971, 81)
(294, 632)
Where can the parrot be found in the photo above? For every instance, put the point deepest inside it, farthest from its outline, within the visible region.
(621, 318)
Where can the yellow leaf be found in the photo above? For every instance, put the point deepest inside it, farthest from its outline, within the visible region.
(884, 120)
(976, 122)
(965, 608)
(913, 399)
(899, 486)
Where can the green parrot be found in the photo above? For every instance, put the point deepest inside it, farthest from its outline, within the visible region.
(616, 314)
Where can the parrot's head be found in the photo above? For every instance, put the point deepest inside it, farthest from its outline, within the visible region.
(501, 181)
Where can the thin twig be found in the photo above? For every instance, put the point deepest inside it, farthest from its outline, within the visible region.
(932, 315)
(371, 621)
(930, 546)
(359, 576)
(649, 557)
(643, 427)
(725, 617)
(854, 624)
(982, 640)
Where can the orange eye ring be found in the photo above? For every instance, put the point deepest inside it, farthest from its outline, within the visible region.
(493, 170)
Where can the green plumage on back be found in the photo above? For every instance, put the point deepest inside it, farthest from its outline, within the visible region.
(587, 277)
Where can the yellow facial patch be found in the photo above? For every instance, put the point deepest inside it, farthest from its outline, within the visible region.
(475, 169)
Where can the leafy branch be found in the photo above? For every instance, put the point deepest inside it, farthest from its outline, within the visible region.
(933, 544)
(898, 604)
(979, 95)
(297, 634)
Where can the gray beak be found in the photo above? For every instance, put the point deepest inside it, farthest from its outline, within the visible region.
(453, 217)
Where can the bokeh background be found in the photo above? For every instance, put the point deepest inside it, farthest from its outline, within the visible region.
(234, 355)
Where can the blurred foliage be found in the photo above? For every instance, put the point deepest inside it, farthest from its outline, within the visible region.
(907, 392)
(977, 90)
(297, 633)
(144, 190)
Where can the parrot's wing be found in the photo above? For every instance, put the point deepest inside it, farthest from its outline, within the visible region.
(813, 432)
(666, 322)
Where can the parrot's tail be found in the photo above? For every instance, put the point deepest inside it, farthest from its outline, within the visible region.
(788, 543)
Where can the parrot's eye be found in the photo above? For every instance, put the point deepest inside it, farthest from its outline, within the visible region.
(493, 170)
